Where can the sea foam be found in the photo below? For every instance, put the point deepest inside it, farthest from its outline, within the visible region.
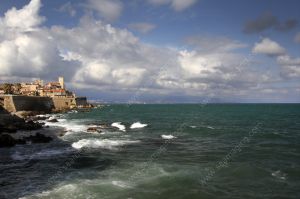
(69, 126)
(168, 137)
(120, 126)
(120, 184)
(138, 125)
(105, 143)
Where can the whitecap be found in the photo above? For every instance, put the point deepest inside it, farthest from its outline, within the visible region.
(69, 126)
(280, 175)
(120, 126)
(105, 143)
(193, 127)
(137, 125)
(210, 127)
(168, 137)
(120, 184)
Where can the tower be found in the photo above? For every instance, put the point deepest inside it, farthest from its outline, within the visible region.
(61, 82)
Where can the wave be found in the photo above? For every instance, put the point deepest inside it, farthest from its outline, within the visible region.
(168, 137)
(203, 126)
(69, 126)
(73, 111)
(137, 125)
(280, 175)
(44, 154)
(120, 126)
(105, 143)
(121, 184)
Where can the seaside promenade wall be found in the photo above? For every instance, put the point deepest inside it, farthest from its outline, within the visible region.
(13, 103)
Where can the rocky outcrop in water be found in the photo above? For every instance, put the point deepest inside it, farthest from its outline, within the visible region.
(52, 120)
(11, 123)
(8, 141)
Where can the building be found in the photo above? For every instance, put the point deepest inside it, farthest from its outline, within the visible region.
(56, 91)
(53, 89)
(30, 89)
(61, 82)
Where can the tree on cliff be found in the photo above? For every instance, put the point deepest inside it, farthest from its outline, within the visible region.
(7, 88)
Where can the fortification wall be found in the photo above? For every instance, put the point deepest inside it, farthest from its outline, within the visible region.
(61, 103)
(13, 103)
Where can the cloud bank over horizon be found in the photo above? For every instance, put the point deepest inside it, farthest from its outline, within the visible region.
(96, 56)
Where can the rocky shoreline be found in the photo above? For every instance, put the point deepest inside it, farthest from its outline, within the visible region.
(27, 122)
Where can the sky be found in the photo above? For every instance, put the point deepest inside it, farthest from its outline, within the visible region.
(156, 51)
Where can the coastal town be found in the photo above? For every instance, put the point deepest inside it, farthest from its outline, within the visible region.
(22, 103)
(39, 96)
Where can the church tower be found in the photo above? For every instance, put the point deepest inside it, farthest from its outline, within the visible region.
(61, 82)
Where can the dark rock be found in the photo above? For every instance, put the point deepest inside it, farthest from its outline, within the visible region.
(20, 141)
(38, 138)
(10, 128)
(30, 125)
(36, 118)
(7, 141)
(93, 129)
(53, 120)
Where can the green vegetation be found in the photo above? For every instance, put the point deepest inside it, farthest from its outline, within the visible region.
(8, 88)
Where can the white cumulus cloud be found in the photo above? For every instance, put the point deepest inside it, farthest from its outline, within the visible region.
(26, 50)
(103, 58)
(268, 47)
(25, 18)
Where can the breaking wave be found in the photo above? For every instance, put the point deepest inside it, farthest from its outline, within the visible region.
(120, 126)
(105, 143)
(137, 125)
(168, 137)
(279, 175)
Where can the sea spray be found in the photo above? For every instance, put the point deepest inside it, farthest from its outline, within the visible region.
(138, 125)
(120, 126)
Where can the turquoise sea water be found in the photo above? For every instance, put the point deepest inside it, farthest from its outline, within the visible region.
(185, 151)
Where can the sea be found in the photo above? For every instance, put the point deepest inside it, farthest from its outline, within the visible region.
(161, 151)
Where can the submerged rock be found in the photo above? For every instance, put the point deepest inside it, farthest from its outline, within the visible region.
(36, 118)
(8, 128)
(30, 125)
(52, 120)
(38, 138)
(94, 129)
(8, 141)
